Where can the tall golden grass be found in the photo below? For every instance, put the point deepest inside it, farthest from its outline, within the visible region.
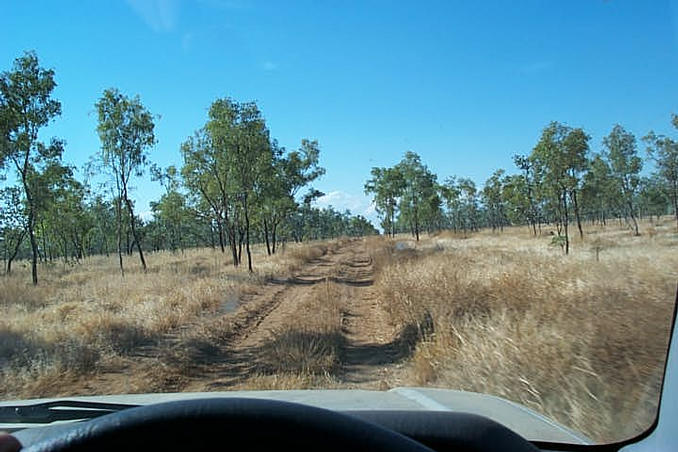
(578, 339)
(83, 317)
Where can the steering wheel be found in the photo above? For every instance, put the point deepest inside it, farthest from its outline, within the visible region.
(227, 423)
(261, 424)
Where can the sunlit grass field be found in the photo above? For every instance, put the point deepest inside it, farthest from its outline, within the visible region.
(81, 317)
(579, 339)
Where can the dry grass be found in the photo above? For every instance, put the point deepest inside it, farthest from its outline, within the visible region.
(82, 318)
(309, 353)
(580, 340)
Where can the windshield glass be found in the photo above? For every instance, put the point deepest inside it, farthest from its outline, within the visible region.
(231, 195)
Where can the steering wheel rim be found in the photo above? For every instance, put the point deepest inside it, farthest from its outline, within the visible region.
(209, 423)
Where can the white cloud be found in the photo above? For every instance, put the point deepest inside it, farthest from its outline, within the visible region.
(159, 15)
(146, 215)
(357, 204)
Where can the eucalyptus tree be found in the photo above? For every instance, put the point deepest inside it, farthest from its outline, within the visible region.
(451, 195)
(12, 224)
(515, 197)
(468, 194)
(103, 217)
(419, 199)
(63, 223)
(205, 175)
(288, 173)
(576, 147)
(171, 210)
(529, 187)
(386, 186)
(26, 106)
(238, 132)
(493, 199)
(652, 199)
(126, 131)
(664, 151)
(625, 166)
(560, 159)
(68, 217)
(599, 191)
(359, 226)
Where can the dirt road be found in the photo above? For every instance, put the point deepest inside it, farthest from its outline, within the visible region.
(226, 350)
(369, 343)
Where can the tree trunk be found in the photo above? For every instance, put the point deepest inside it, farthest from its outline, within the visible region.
(34, 247)
(134, 232)
(232, 240)
(576, 213)
(566, 222)
(241, 239)
(247, 233)
(12, 256)
(64, 245)
(119, 215)
(220, 228)
(633, 219)
(393, 226)
(44, 239)
(268, 244)
(273, 238)
(213, 242)
(416, 228)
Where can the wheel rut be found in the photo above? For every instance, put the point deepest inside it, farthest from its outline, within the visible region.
(224, 351)
(370, 349)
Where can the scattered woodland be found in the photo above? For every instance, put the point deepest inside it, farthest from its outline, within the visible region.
(237, 186)
(552, 284)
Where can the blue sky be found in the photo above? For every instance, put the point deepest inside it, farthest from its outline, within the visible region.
(464, 84)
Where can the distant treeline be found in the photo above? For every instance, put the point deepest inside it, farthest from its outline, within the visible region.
(560, 183)
(237, 186)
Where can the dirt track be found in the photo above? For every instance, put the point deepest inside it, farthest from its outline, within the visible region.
(223, 351)
(368, 333)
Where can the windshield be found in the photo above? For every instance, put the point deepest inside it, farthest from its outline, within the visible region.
(232, 195)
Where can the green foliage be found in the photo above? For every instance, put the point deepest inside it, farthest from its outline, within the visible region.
(126, 131)
(387, 185)
(625, 166)
(493, 200)
(559, 158)
(26, 106)
(664, 151)
(419, 201)
(237, 185)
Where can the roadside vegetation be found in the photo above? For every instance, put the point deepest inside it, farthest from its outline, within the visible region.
(579, 338)
(84, 321)
(236, 186)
